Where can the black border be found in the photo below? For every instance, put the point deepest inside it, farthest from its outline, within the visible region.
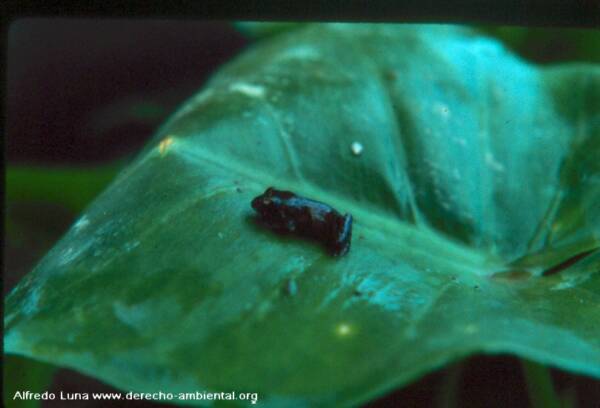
(565, 13)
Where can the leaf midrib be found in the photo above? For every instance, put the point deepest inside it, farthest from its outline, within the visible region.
(378, 225)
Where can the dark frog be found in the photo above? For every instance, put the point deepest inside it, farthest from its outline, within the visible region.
(286, 213)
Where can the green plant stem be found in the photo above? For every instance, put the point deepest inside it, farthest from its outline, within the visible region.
(71, 187)
(539, 385)
(447, 396)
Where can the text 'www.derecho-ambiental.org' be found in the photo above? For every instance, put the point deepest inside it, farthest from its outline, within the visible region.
(251, 397)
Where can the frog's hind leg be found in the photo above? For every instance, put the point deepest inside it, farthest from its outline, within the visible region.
(342, 236)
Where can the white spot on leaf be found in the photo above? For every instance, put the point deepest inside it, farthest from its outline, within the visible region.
(356, 148)
(491, 161)
(164, 145)
(67, 256)
(131, 245)
(81, 223)
(301, 52)
(251, 90)
(569, 282)
(203, 96)
(343, 329)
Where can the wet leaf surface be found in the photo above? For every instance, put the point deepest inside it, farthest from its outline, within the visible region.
(477, 174)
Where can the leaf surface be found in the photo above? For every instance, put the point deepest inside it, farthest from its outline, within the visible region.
(478, 173)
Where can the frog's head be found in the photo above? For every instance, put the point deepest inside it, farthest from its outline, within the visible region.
(264, 203)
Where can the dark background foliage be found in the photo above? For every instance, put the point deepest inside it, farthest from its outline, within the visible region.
(84, 93)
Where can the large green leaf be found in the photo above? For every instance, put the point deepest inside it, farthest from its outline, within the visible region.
(479, 172)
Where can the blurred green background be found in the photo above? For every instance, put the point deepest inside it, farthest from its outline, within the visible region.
(83, 96)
